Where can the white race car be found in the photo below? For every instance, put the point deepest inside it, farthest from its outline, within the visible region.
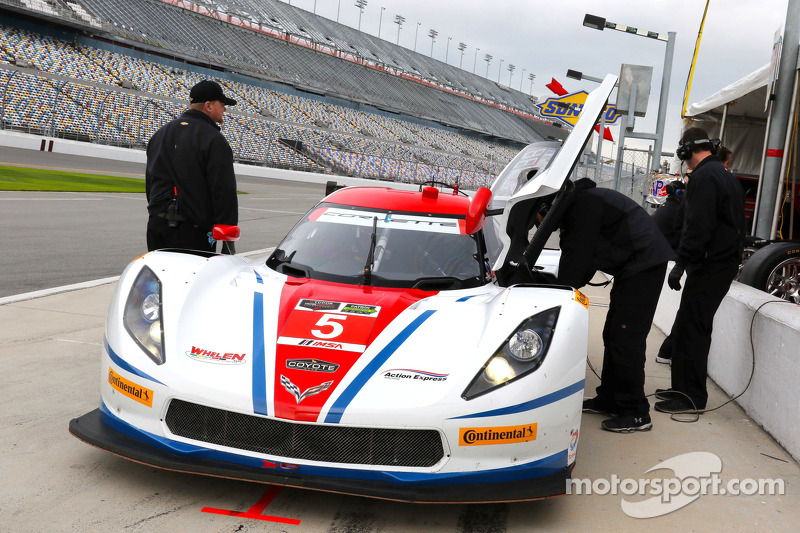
(374, 353)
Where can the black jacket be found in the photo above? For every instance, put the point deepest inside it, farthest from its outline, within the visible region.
(191, 154)
(669, 220)
(714, 225)
(605, 230)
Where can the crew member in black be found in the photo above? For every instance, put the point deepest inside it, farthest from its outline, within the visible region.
(189, 180)
(605, 230)
(710, 250)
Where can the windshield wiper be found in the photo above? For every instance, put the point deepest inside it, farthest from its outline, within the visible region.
(371, 254)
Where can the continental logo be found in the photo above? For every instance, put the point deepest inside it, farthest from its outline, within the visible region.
(581, 298)
(499, 435)
(130, 389)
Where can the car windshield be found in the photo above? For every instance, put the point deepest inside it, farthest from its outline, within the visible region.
(381, 248)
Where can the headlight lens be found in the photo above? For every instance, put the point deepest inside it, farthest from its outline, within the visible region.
(520, 354)
(142, 318)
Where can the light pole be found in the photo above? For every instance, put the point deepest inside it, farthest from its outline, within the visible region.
(475, 61)
(360, 4)
(531, 77)
(521, 79)
(599, 23)
(499, 70)
(447, 50)
(380, 21)
(461, 48)
(510, 73)
(338, 9)
(432, 34)
(488, 59)
(399, 20)
(416, 33)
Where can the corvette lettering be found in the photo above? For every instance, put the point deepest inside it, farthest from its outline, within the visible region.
(414, 375)
(392, 221)
(208, 356)
(130, 389)
(312, 365)
(497, 435)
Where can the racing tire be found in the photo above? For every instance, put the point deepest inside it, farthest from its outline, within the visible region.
(775, 269)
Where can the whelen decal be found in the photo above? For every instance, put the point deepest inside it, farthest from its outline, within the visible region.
(259, 356)
(337, 409)
(312, 365)
(130, 389)
(208, 356)
(496, 435)
(295, 390)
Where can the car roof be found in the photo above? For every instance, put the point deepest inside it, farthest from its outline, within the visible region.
(430, 200)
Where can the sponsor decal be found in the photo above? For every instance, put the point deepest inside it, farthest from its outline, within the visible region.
(361, 309)
(130, 389)
(326, 345)
(312, 365)
(294, 390)
(573, 446)
(581, 298)
(496, 435)
(406, 374)
(208, 356)
(393, 221)
(567, 108)
(319, 305)
(282, 466)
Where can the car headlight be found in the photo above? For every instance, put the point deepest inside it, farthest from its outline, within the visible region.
(143, 315)
(520, 354)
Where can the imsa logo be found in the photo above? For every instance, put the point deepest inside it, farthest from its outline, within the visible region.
(497, 435)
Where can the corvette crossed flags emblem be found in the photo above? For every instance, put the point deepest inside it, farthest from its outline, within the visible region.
(295, 390)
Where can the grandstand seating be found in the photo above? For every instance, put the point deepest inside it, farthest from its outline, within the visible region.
(78, 98)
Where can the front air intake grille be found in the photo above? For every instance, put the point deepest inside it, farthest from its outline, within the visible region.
(310, 442)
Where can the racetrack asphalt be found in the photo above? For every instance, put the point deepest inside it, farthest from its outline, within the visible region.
(49, 363)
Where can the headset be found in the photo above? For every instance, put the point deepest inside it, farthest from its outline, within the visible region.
(684, 151)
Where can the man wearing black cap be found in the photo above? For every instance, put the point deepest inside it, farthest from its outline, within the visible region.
(189, 180)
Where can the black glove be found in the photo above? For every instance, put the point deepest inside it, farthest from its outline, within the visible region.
(674, 278)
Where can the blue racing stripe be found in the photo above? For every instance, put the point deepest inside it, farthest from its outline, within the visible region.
(533, 404)
(341, 403)
(124, 365)
(259, 357)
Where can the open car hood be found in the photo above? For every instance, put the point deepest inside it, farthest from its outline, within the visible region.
(553, 169)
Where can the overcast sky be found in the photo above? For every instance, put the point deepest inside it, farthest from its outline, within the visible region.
(548, 37)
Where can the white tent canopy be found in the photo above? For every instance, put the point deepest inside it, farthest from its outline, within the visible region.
(745, 121)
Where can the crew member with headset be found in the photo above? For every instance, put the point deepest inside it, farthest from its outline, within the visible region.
(189, 180)
(710, 250)
(602, 229)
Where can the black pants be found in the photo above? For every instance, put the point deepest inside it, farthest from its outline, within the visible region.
(630, 316)
(185, 235)
(702, 294)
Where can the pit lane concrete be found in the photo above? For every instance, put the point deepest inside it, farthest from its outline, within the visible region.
(50, 481)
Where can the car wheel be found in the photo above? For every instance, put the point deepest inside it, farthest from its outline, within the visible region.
(775, 269)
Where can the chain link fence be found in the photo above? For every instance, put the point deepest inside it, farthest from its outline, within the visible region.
(635, 175)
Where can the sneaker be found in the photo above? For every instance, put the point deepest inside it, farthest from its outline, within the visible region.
(666, 394)
(677, 404)
(628, 423)
(596, 406)
(664, 360)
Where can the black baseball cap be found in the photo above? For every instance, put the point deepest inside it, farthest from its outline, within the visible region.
(208, 91)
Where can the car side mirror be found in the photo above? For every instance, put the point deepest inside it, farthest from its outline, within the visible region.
(476, 213)
(224, 232)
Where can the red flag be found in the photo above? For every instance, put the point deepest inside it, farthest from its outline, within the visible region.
(606, 133)
(556, 87)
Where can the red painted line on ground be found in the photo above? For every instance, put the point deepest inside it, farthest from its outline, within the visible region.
(255, 511)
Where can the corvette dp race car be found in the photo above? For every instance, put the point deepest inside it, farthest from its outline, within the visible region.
(374, 352)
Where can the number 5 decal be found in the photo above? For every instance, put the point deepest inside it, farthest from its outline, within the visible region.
(328, 320)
